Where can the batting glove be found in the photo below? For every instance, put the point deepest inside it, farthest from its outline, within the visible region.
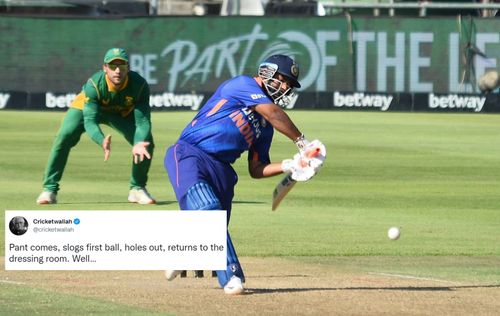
(303, 173)
(301, 169)
(307, 148)
(298, 168)
(289, 165)
(292, 165)
(311, 160)
(314, 153)
(307, 163)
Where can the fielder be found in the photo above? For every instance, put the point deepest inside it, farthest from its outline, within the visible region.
(116, 97)
(240, 116)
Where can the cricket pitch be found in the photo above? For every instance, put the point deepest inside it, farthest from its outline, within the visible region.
(275, 286)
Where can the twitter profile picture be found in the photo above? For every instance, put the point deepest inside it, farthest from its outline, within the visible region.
(18, 225)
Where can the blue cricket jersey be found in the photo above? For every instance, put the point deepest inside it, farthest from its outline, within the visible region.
(227, 125)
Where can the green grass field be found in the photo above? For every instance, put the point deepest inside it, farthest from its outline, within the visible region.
(434, 175)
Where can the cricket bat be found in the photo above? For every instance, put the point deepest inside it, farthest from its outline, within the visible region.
(287, 183)
(282, 189)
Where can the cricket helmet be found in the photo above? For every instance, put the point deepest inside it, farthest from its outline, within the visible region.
(279, 64)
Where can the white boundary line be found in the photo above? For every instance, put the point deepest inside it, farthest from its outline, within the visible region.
(402, 276)
(11, 282)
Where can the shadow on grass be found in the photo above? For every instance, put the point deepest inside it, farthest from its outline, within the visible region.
(248, 202)
(165, 202)
(366, 288)
(280, 276)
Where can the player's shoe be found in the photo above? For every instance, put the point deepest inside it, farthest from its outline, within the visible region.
(47, 197)
(141, 196)
(234, 286)
(172, 274)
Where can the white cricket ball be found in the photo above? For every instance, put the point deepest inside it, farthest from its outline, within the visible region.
(393, 233)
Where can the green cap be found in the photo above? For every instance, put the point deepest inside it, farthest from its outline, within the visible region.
(115, 53)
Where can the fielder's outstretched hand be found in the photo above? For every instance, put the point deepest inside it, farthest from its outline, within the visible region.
(106, 146)
(139, 151)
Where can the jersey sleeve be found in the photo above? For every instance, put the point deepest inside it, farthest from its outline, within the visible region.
(90, 112)
(142, 114)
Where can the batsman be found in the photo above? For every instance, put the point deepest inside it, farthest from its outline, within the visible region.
(240, 116)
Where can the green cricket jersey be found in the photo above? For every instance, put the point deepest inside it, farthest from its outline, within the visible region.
(100, 102)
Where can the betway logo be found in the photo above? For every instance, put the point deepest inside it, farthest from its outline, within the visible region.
(59, 101)
(4, 98)
(359, 99)
(454, 101)
(192, 101)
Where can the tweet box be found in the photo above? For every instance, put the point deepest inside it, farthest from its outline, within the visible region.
(115, 240)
